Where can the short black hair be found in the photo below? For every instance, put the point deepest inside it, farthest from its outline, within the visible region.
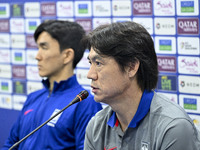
(127, 42)
(68, 34)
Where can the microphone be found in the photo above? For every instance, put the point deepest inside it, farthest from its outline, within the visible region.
(81, 96)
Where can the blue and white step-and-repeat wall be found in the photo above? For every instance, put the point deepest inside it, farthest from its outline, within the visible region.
(173, 24)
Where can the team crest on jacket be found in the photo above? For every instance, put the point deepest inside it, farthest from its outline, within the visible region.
(144, 146)
(54, 120)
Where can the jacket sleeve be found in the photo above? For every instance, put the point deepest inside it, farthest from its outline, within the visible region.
(181, 134)
(14, 132)
(85, 111)
(13, 135)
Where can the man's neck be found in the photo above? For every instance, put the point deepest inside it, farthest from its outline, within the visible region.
(58, 79)
(126, 110)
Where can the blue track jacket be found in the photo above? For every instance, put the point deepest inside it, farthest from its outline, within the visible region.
(66, 131)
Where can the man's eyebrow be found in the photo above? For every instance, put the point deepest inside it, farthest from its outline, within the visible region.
(43, 44)
(94, 58)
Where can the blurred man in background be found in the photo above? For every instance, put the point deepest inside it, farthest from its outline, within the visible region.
(60, 49)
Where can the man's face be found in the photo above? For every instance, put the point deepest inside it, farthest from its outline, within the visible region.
(50, 61)
(108, 83)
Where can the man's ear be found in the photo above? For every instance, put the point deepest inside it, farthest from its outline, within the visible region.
(133, 68)
(68, 55)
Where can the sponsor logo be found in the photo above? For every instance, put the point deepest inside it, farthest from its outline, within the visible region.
(48, 9)
(190, 103)
(167, 83)
(86, 24)
(121, 9)
(32, 9)
(31, 25)
(164, 8)
(165, 45)
(101, 8)
(5, 56)
(147, 23)
(18, 41)
(30, 57)
(4, 25)
(17, 10)
(196, 120)
(5, 101)
(19, 72)
(189, 65)
(18, 102)
(188, 45)
(5, 40)
(33, 86)
(189, 84)
(18, 56)
(81, 75)
(83, 9)
(5, 71)
(4, 10)
(19, 87)
(30, 42)
(65, 9)
(17, 25)
(6, 86)
(32, 73)
(165, 26)
(187, 6)
(142, 7)
(166, 63)
(188, 26)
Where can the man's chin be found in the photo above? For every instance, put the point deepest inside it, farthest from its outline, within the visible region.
(97, 99)
(42, 75)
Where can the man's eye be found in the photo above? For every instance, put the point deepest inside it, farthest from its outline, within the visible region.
(44, 47)
(98, 63)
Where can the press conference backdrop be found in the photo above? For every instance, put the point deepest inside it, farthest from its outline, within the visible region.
(173, 24)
